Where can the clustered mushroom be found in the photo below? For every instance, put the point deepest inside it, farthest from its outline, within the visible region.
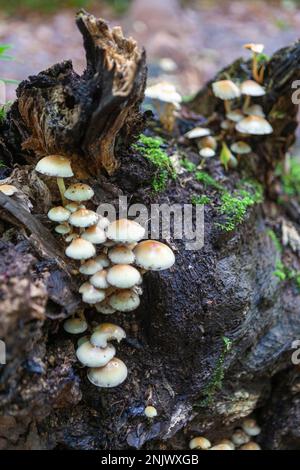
(241, 439)
(242, 118)
(113, 260)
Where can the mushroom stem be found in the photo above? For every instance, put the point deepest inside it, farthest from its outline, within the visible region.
(62, 189)
(261, 74)
(247, 102)
(227, 105)
(255, 67)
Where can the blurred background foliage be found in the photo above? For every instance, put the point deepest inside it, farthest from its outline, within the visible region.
(51, 6)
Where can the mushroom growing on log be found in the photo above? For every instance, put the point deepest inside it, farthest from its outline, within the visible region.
(210, 342)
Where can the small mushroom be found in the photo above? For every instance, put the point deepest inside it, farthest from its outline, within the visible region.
(250, 446)
(83, 218)
(251, 427)
(124, 300)
(227, 91)
(167, 100)
(228, 442)
(84, 287)
(103, 260)
(121, 254)
(90, 267)
(63, 229)
(197, 133)
(104, 308)
(221, 447)
(79, 192)
(235, 115)
(250, 88)
(103, 222)
(75, 326)
(71, 237)
(254, 125)
(207, 152)
(57, 166)
(80, 249)
(239, 437)
(94, 234)
(111, 375)
(125, 231)
(154, 255)
(8, 189)
(209, 141)
(93, 296)
(255, 110)
(99, 280)
(199, 443)
(240, 148)
(91, 356)
(72, 207)
(123, 276)
(255, 49)
(58, 214)
(150, 412)
(107, 332)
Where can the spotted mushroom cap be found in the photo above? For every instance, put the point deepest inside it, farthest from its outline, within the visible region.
(226, 90)
(254, 125)
(154, 255)
(125, 231)
(55, 165)
(111, 375)
(83, 218)
(79, 192)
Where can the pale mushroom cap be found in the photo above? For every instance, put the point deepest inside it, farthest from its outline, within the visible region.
(79, 192)
(154, 255)
(121, 254)
(209, 141)
(197, 133)
(8, 189)
(124, 301)
(107, 332)
(55, 165)
(63, 229)
(252, 88)
(94, 235)
(254, 125)
(91, 356)
(71, 237)
(221, 447)
(226, 90)
(75, 326)
(228, 442)
(80, 249)
(72, 207)
(240, 148)
(125, 231)
(235, 115)
(123, 276)
(99, 280)
(111, 375)
(83, 218)
(150, 411)
(255, 110)
(104, 308)
(250, 446)
(257, 48)
(199, 443)
(59, 214)
(239, 437)
(90, 267)
(251, 427)
(103, 260)
(103, 222)
(84, 287)
(93, 296)
(207, 152)
(163, 91)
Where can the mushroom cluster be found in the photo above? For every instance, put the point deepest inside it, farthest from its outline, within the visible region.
(113, 260)
(241, 439)
(242, 117)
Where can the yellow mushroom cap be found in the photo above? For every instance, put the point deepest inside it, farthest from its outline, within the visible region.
(104, 308)
(199, 443)
(121, 254)
(90, 267)
(252, 88)
(107, 332)
(99, 280)
(94, 235)
(150, 411)
(154, 255)
(123, 276)
(83, 218)
(254, 125)
(251, 427)
(75, 326)
(58, 214)
(226, 90)
(125, 231)
(80, 249)
(111, 375)
(8, 189)
(256, 48)
(79, 192)
(91, 356)
(55, 165)
(124, 300)
(250, 446)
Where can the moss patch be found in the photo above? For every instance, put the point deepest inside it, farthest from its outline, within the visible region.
(208, 180)
(200, 200)
(290, 181)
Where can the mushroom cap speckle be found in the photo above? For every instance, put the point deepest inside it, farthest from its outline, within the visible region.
(123, 276)
(55, 165)
(154, 255)
(111, 375)
(252, 88)
(99, 280)
(91, 356)
(75, 326)
(83, 218)
(80, 249)
(58, 214)
(125, 231)
(79, 192)
(124, 300)
(90, 267)
(226, 90)
(197, 133)
(121, 254)
(93, 296)
(254, 125)
(94, 234)
(150, 411)
(107, 332)
(240, 148)
(104, 308)
(8, 189)
(207, 152)
(199, 443)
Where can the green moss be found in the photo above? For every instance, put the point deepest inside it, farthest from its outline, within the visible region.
(208, 180)
(200, 200)
(150, 148)
(217, 378)
(234, 206)
(275, 240)
(282, 271)
(187, 164)
(290, 181)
